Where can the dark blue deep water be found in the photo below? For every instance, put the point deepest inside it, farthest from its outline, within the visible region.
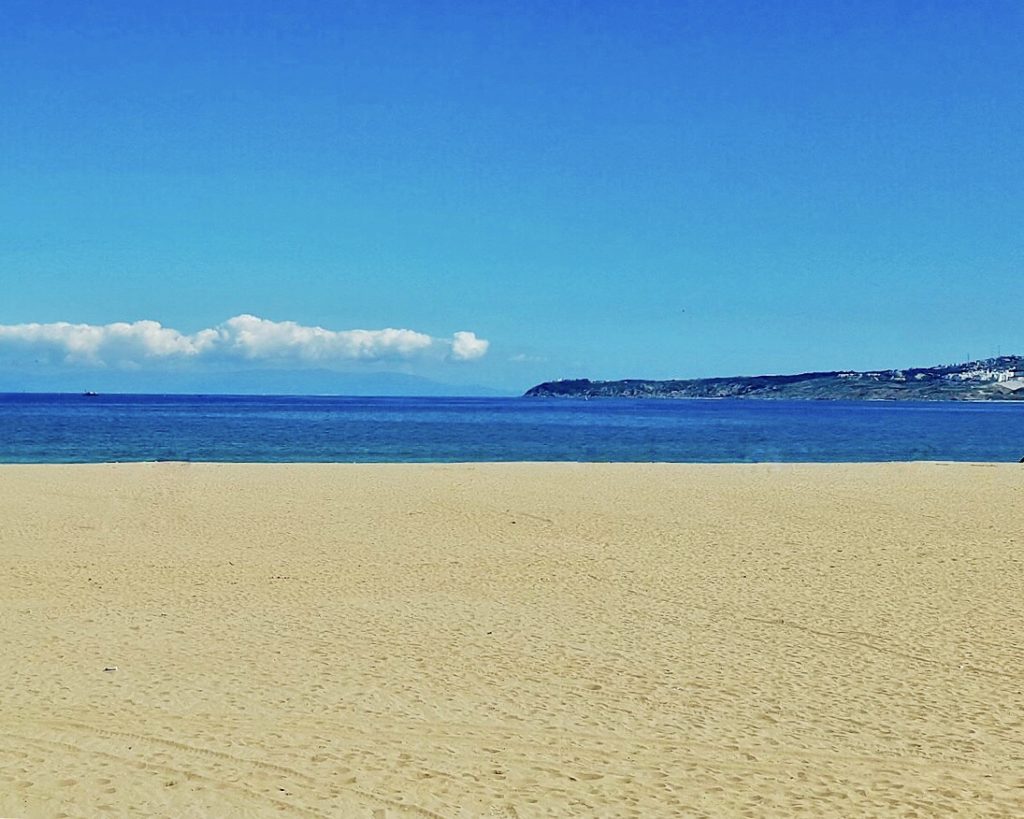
(73, 428)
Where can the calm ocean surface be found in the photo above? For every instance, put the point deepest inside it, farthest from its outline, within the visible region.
(73, 428)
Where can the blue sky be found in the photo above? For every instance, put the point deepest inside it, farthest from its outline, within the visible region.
(594, 189)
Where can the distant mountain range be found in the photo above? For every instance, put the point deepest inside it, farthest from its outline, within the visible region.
(999, 379)
(243, 382)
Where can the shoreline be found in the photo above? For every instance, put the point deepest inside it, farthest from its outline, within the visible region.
(684, 464)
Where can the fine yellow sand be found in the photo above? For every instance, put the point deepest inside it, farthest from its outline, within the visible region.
(511, 640)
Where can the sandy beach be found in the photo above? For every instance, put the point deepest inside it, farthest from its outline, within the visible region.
(512, 640)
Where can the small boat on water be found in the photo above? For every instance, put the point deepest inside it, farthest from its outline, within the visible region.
(89, 394)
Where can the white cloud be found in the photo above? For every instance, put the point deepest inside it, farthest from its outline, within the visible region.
(243, 338)
(466, 346)
(257, 339)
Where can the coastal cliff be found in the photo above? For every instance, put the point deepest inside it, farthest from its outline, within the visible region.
(999, 379)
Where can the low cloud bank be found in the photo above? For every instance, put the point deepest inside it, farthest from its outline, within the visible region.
(244, 338)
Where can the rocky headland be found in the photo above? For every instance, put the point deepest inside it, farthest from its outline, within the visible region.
(1000, 379)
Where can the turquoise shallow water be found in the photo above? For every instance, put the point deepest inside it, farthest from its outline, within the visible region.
(37, 428)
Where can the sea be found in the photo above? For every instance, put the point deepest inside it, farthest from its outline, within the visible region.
(63, 428)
